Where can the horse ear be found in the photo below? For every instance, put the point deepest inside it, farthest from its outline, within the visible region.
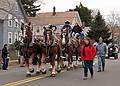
(44, 28)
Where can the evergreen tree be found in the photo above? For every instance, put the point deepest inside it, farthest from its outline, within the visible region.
(99, 29)
(85, 14)
(30, 8)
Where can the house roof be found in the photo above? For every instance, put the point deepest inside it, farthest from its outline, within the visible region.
(48, 18)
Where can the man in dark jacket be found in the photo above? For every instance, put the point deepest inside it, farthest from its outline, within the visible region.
(4, 57)
(76, 31)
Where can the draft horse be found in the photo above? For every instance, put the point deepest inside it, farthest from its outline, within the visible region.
(50, 48)
(67, 47)
(30, 52)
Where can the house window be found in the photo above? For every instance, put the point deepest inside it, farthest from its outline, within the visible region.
(10, 23)
(9, 20)
(16, 22)
(38, 30)
(9, 37)
(15, 37)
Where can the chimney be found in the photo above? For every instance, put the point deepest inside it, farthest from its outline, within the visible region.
(54, 11)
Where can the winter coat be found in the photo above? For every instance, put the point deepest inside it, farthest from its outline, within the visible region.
(101, 49)
(77, 29)
(90, 52)
(4, 52)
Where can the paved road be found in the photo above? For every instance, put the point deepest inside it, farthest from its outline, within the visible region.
(111, 77)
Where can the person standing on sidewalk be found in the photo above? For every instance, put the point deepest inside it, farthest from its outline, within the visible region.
(0, 63)
(5, 57)
(88, 53)
(102, 51)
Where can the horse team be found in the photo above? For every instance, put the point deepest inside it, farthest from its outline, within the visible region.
(52, 46)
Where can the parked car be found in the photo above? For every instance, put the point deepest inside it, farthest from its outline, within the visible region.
(113, 52)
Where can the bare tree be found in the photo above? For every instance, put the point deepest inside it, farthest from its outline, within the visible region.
(118, 24)
(113, 21)
(7, 6)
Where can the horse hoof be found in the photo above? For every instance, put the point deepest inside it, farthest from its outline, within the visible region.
(28, 75)
(58, 71)
(37, 72)
(71, 68)
(44, 72)
(75, 66)
(53, 75)
(68, 69)
(64, 66)
(50, 69)
(22, 66)
(32, 70)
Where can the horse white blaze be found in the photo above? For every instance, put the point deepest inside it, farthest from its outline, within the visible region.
(48, 39)
(63, 39)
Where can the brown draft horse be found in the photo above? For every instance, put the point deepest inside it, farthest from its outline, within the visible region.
(68, 47)
(30, 52)
(50, 49)
(60, 60)
(76, 42)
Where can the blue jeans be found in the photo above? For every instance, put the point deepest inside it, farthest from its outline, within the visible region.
(101, 61)
(5, 63)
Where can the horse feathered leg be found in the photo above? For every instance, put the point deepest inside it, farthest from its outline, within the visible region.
(58, 67)
(53, 74)
(27, 64)
(52, 61)
(38, 70)
(31, 69)
(59, 63)
(42, 66)
(70, 58)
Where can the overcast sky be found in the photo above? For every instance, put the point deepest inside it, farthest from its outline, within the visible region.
(105, 6)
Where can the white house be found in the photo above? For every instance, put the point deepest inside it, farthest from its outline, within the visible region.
(11, 16)
(54, 18)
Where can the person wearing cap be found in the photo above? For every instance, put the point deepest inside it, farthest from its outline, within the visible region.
(53, 29)
(5, 57)
(69, 28)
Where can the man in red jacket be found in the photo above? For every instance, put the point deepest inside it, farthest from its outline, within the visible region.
(88, 53)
